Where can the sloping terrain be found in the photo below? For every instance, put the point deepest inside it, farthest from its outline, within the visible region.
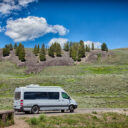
(92, 85)
(34, 65)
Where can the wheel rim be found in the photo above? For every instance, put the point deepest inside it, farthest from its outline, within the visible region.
(71, 108)
(35, 109)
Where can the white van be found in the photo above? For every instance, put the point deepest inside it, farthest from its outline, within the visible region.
(35, 98)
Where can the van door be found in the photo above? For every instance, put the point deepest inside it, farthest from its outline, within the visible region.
(53, 102)
(17, 100)
(65, 100)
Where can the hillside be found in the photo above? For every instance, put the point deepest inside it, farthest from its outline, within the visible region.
(33, 64)
(100, 84)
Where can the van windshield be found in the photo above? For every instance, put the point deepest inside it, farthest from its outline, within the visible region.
(17, 95)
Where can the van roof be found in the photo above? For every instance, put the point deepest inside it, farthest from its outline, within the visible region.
(34, 86)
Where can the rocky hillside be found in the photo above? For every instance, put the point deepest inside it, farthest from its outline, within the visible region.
(33, 64)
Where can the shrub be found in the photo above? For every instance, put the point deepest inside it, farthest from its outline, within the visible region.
(34, 121)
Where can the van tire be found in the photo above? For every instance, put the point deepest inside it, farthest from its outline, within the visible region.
(35, 109)
(71, 108)
(62, 111)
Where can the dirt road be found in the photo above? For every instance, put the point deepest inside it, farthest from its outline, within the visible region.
(20, 123)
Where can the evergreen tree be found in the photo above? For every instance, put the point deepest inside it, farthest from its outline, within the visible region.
(21, 52)
(66, 46)
(81, 49)
(36, 50)
(42, 53)
(74, 51)
(93, 46)
(6, 51)
(10, 46)
(15, 45)
(55, 48)
(104, 47)
(17, 51)
(87, 49)
(58, 50)
(51, 51)
(70, 49)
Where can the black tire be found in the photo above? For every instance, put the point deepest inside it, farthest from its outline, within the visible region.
(71, 108)
(35, 109)
(62, 111)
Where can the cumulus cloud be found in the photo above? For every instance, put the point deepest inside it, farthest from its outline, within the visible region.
(7, 6)
(89, 43)
(61, 41)
(29, 28)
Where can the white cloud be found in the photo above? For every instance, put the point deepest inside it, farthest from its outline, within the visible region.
(7, 6)
(61, 41)
(29, 28)
(89, 43)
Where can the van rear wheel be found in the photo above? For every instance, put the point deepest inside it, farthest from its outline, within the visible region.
(35, 109)
(71, 108)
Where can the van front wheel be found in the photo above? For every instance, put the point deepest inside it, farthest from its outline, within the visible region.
(35, 110)
(71, 108)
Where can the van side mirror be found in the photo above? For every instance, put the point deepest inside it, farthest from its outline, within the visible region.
(69, 98)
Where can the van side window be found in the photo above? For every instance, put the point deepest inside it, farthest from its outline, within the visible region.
(53, 95)
(64, 95)
(41, 95)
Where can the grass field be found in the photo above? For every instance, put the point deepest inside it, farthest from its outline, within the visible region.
(94, 120)
(99, 85)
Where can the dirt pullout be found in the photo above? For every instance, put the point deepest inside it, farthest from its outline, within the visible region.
(77, 111)
(20, 121)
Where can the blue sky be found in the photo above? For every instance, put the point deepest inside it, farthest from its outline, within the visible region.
(94, 20)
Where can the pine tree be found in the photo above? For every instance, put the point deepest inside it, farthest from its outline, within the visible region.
(6, 51)
(74, 51)
(66, 46)
(58, 50)
(81, 49)
(42, 53)
(104, 47)
(10, 47)
(93, 46)
(51, 51)
(36, 50)
(70, 49)
(15, 45)
(87, 49)
(17, 51)
(21, 52)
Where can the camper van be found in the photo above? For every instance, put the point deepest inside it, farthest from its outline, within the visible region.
(35, 98)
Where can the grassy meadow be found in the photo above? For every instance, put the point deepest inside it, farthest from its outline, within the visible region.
(94, 120)
(100, 85)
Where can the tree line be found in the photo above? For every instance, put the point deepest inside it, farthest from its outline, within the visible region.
(19, 50)
(76, 50)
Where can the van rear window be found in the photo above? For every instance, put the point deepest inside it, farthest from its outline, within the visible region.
(41, 95)
(17, 95)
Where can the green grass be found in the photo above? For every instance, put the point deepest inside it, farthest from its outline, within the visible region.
(101, 85)
(100, 120)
